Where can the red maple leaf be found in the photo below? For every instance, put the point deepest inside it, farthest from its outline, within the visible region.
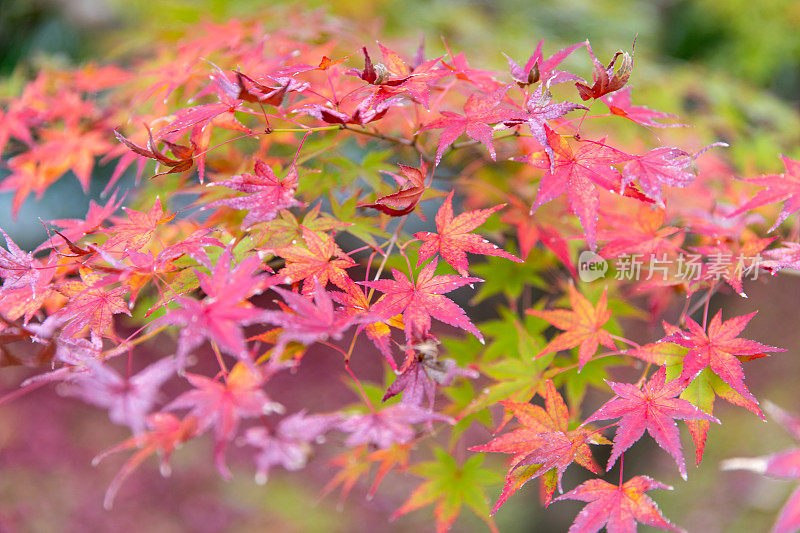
(653, 407)
(453, 238)
(642, 234)
(166, 434)
(583, 326)
(480, 110)
(412, 187)
(394, 77)
(222, 405)
(267, 194)
(184, 155)
(619, 103)
(778, 188)
(604, 79)
(542, 443)
(538, 68)
(578, 173)
(717, 349)
(422, 300)
(322, 261)
(617, 507)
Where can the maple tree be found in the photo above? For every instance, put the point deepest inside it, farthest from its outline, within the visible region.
(278, 208)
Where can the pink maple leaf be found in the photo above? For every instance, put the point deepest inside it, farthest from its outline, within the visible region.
(266, 193)
(617, 507)
(308, 321)
(654, 407)
(221, 405)
(480, 110)
(422, 299)
(220, 316)
(718, 349)
(619, 103)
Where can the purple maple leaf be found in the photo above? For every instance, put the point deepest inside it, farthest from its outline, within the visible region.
(388, 426)
(289, 445)
(310, 321)
(128, 399)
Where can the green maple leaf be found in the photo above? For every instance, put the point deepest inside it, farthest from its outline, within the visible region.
(450, 487)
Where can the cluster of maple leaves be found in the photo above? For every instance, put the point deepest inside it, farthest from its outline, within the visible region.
(281, 151)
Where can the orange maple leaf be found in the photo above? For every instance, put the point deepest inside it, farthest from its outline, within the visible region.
(582, 326)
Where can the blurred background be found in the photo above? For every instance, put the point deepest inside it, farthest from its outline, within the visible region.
(730, 68)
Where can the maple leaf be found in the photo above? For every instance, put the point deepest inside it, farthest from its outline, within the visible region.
(355, 303)
(450, 486)
(222, 314)
(128, 399)
(479, 111)
(184, 155)
(538, 110)
(538, 68)
(75, 228)
(582, 326)
(733, 261)
(421, 373)
(18, 268)
(578, 173)
(653, 407)
(531, 230)
(663, 166)
(542, 444)
(453, 238)
(267, 194)
(617, 507)
(390, 425)
(138, 230)
(394, 77)
(91, 305)
(406, 199)
(320, 262)
(166, 433)
(717, 349)
(395, 456)
(247, 89)
(779, 258)
(642, 234)
(619, 103)
(222, 405)
(781, 465)
(289, 444)
(778, 188)
(604, 79)
(421, 300)
(307, 321)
